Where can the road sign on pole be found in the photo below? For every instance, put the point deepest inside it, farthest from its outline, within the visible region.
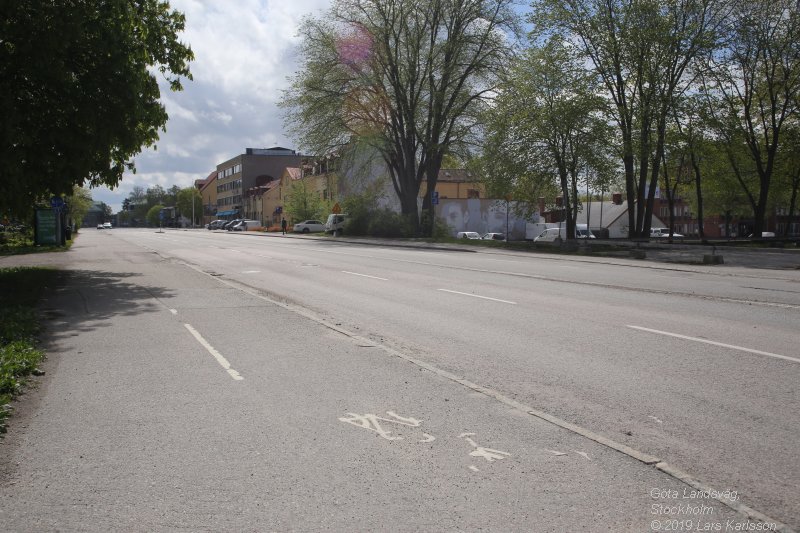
(435, 198)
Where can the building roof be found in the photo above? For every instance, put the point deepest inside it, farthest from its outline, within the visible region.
(294, 173)
(209, 180)
(455, 175)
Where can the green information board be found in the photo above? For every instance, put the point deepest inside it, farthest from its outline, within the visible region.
(47, 226)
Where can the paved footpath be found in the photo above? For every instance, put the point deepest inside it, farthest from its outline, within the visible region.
(174, 400)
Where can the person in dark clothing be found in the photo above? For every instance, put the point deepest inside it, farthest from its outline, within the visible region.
(283, 226)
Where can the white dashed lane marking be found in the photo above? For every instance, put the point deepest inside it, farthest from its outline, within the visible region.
(218, 356)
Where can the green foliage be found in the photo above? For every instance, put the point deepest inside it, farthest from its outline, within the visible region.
(188, 197)
(79, 203)
(20, 289)
(304, 204)
(544, 131)
(389, 224)
(358, 208)
(404, 76)
(153, 215)
(78, 91)
(365, 218)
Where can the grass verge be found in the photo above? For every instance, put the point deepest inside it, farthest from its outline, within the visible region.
(21, 242)
(20, 290)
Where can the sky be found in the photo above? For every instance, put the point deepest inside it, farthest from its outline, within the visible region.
(244, 51)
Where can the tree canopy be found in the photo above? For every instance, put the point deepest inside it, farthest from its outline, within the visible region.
(405, 76)
(78, 91)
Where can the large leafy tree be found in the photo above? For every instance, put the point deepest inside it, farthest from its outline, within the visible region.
(643, 51)
(189, 201)
(405, 76)
(753, 87)
(545, 131)
(78, 91)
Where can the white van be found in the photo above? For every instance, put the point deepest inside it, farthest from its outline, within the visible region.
(246, 225)
(335, 224)
(582, 231)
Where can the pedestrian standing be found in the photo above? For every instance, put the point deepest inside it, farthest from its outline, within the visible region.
(283, 226)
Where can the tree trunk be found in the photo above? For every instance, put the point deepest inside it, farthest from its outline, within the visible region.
(792, 203)
(700, 225)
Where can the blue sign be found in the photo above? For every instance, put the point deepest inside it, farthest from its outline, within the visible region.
(435, 198)
(56, 202)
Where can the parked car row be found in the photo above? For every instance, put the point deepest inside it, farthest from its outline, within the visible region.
(237, 224)
(474, 235)
(104, 225)
(334, 224)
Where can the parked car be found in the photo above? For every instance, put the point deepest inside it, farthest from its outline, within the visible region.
(215, 224)
(663, 232)
(335, 224)
(106, 225)
(245, 225)
(468, 235)
(231, 223)
(309, 226)
(494, 237)
(549, 235)
(764, 235)
(100, 226)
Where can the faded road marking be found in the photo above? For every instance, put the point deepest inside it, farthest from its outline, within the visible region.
(218, 356)
(489, 454)
(714, 343)
(363, 275)
(478, 296)
(371, 422)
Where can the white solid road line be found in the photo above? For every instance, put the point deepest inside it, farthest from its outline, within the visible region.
(218, 356)
(478, 296)
(363, 275)
(714, 343)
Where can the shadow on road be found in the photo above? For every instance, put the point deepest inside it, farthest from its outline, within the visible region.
(85, 300)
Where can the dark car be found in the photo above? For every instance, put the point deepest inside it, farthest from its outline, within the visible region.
(229, 226)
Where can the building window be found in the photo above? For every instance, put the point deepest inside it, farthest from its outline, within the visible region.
(473, 193)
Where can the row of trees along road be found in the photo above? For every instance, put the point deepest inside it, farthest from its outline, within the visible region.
(697, 97)
(702, 95)
(78, 92)
(139, 206)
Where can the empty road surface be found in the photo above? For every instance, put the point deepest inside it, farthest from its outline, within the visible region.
(216, 381)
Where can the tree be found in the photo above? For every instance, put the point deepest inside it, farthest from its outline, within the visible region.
(545, 131)
(156, 195)
(189, 200)
(643, 52)
(154, 215)
(78, 91)
(753, 86)
(78, 204)
(405, 76)
(303, 204)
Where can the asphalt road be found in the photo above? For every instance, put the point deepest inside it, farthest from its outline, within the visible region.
(215, 381)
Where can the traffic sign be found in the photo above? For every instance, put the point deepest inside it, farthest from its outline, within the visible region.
(435, 198)
(56, 202)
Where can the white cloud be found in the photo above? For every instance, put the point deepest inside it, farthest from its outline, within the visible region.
(244, 53)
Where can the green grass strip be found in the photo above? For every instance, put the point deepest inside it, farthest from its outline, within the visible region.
(20, 291)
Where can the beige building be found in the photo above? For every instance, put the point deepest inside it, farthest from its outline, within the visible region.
(456, 183)
(208, 190)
